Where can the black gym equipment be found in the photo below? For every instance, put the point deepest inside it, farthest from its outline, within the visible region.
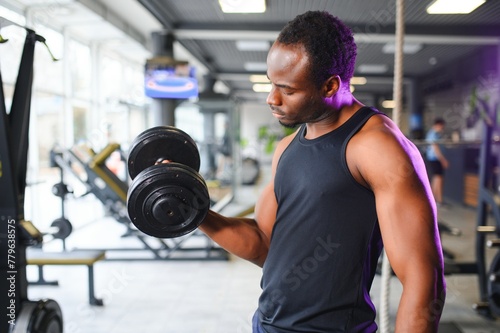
(488, 206)
(89, 168)
(162, 143)
(22, 315)
(166, 200)
(488, 203)
(61, 226)
(250, 171)
(40, 316)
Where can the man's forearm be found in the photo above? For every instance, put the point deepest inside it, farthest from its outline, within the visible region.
(239, 236)
(420, 310)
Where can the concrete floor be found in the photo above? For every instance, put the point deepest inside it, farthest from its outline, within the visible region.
(197, 296)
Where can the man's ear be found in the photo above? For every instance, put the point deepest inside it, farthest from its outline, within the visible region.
(332, 85)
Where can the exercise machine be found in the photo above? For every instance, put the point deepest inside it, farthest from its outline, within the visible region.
(23, 315)
(487, 222)
(90, 169)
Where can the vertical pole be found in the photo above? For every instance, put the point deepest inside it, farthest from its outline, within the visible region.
(163, 110)
(398, 99)
(209, 154)
(398, 63)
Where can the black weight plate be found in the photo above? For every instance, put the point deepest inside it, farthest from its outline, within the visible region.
(43, 316)
(162, 142)
(494, 286)
(64, 226)
(168, 200)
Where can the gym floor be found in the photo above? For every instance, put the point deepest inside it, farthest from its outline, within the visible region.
(198, 296)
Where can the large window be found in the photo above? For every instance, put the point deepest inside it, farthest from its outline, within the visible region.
(111, 79)
(10, 53)
(48, 110)
(48, 74)
(99, 99)
(81, 69)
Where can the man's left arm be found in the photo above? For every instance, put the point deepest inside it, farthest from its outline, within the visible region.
(393, 168)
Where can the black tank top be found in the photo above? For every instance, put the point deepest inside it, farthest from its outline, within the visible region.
(326, 240)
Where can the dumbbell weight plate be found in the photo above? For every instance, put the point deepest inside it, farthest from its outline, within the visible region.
(168, 200)
(494, 286)
(162, 142)
(43, 316)
(64, 228)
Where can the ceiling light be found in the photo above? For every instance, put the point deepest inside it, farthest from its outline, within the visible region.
(453, 6)
(388, 104)
(252, 45)
(408, 48)
(243, 6)
(259, 78)
(262, 87)
(372, 68)
(255, 66)
(358, 80)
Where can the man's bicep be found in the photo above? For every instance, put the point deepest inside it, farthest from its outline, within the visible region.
(406, 213)
(408, 228)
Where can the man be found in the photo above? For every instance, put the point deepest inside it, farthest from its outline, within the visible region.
(345, 181)
(437, 162)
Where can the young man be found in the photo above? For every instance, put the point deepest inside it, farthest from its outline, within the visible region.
(437, 162)
(345, 183)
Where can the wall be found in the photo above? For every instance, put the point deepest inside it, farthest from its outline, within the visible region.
(448, 91)
(253, 116)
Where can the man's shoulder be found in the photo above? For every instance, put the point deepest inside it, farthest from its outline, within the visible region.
(380, 134)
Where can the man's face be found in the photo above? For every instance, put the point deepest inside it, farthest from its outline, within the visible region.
(294, 98)
(439, 127)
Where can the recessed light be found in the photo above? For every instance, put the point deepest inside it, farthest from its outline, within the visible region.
(262, 87)
(252, 45)
(408, 48)
(243, 6)
(453, 6)
(373, 68)
(358, 80)
(388, 104)
(259, 78)
(255, 66)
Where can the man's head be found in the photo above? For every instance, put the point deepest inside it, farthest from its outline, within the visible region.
(309, 67)
(328, 42)
(439, 124)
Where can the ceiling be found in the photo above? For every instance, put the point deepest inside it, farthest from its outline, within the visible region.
(207, 37)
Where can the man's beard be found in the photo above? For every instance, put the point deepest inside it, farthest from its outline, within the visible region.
(291, 125)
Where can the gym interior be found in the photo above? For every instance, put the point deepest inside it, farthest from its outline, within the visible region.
(79, 87)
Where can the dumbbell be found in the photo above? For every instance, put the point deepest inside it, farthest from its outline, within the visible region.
(166, 200)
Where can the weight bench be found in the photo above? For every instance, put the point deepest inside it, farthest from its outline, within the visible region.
(80, 257)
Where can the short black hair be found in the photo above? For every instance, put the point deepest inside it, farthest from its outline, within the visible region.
(328, 42)
(439, 121)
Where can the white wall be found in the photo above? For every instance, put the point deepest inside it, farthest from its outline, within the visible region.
(253, 116)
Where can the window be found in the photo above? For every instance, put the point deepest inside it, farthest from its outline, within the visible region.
(81, 69)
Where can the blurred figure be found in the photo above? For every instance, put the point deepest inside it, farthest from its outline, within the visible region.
(437, 162)
(226, 157)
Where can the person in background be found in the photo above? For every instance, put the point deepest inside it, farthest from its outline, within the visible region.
(436, 160)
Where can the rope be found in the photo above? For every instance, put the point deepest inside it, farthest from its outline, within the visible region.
(398, 101)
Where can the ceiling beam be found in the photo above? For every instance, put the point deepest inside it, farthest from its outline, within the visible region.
(361, 38)
(433, 34)
(161, 13)
(109, 16)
